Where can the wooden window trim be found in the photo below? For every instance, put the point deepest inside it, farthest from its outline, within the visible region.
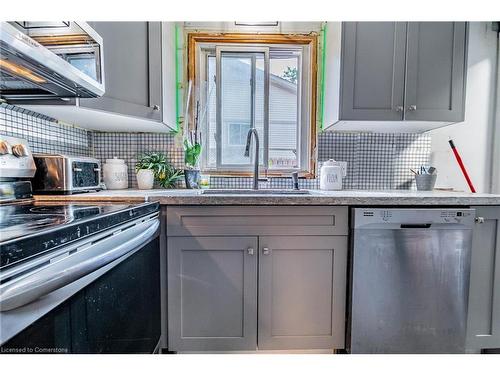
(299, 39)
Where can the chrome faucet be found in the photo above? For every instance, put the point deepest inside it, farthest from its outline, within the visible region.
(256, 160)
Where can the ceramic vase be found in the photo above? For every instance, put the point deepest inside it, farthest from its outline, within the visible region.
(145, 179)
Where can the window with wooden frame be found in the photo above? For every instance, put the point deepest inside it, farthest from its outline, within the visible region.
(261, 81)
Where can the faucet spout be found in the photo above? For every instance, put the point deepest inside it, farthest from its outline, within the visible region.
(254, 132)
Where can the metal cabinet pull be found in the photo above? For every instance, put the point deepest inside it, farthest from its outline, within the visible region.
(250, 251)
(399, 108)
(479, 220)
(266, 251)
(412, 108)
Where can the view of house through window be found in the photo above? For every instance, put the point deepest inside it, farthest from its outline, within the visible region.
(261, 87)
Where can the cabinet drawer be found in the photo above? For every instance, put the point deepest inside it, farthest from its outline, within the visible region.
(256, 220)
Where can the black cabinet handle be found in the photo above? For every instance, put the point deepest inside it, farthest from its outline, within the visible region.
(417, 226)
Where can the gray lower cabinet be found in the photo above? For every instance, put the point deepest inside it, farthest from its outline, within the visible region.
(213, 296)
(212, 293)
(261, 277)
(484, 293)
(302, 284)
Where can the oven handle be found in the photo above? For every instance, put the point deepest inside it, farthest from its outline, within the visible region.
(57, 274)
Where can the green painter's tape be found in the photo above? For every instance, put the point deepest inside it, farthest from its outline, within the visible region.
(323, 75)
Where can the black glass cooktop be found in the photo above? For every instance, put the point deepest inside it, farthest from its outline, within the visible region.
(31, 228)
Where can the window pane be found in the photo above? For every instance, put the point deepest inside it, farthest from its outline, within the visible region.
(259, 102)
(211, 95)
(238, 134)
(242, 107)
(283, 110)
(236, 75)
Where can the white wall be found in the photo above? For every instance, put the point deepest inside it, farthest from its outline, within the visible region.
(496, 135)
(475, 138)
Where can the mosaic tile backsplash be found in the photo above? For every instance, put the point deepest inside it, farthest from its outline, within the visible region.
(129, 146)
(374, 161)
(43, 133)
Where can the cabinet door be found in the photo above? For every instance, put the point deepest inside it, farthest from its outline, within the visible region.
(302, 292)
(212, 293)
(373, 66)
(171, 60)
(483, 330)
(435, 78)
(132, 69)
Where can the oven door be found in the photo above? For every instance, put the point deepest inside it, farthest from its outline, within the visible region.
(114, 309)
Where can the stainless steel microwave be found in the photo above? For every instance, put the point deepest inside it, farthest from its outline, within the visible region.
(50, 60)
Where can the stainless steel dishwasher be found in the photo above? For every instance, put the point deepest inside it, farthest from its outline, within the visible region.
(410, 280)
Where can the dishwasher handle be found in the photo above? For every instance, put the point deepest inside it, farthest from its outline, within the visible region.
(415, 226)
(55, 275)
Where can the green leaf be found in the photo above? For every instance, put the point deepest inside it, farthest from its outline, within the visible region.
(191, 153)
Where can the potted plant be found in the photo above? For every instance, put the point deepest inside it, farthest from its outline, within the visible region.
(154, 166)
(192, 152)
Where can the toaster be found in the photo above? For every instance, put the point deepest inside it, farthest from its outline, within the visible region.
(63, 174)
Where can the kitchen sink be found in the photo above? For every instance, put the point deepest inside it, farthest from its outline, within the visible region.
(255, 192)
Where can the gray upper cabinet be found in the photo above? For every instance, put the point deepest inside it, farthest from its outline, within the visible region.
(212, 293)
(435, 75)
(394, 76)
(132, 65)
(483, 329)
(302, 284)
(373, 70)
(140, 78)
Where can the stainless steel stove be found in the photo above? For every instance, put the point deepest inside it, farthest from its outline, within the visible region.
(74, 262)
(30, 229)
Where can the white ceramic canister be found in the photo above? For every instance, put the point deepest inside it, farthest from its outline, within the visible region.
(115, 174)
(330, 176)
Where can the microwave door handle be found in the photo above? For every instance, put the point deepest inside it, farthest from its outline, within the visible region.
(60, 273)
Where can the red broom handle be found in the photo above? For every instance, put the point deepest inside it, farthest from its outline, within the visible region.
(462, 166)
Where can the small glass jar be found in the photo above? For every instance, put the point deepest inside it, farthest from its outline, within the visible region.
(204, 181)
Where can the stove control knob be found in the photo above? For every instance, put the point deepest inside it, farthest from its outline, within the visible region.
(5, 148)
(19, 150)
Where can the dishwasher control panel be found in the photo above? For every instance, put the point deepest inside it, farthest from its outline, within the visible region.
(425, 217)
